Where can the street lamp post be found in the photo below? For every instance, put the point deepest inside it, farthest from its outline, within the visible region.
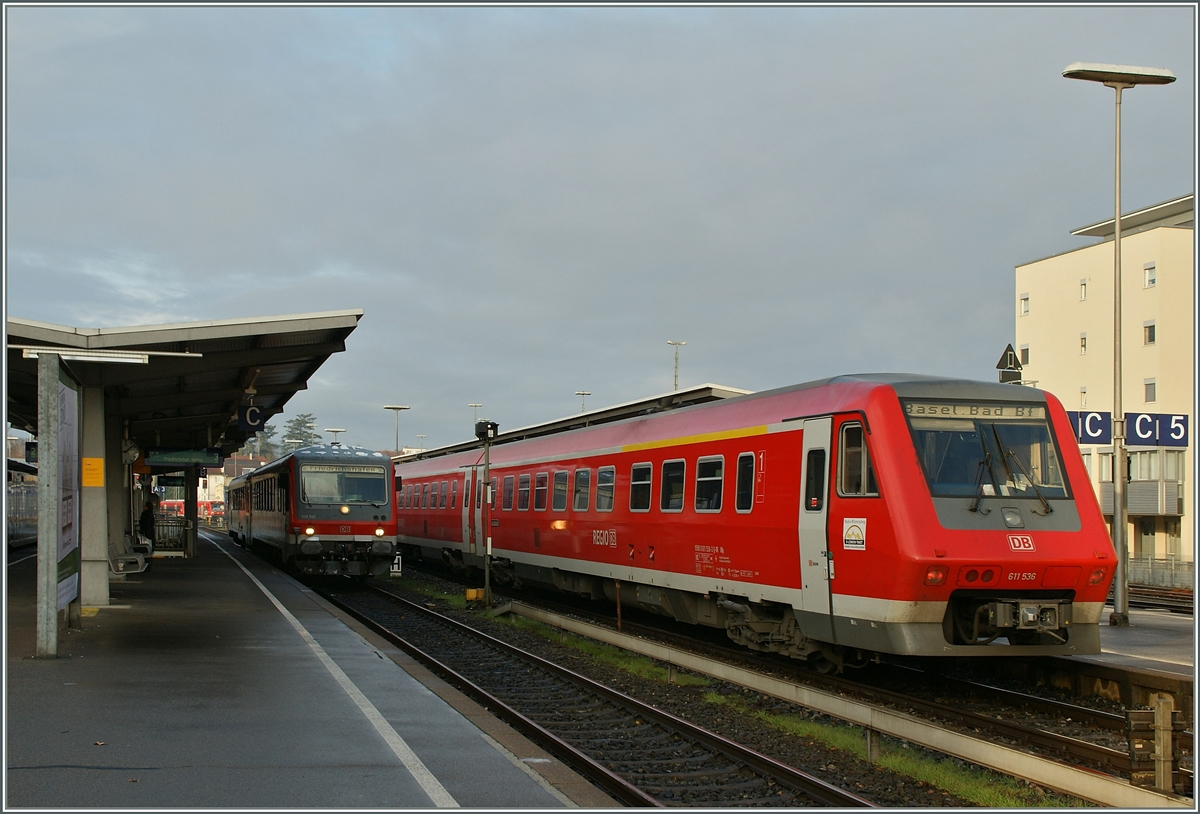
(676, 344)
(1118, 77)
(583, 394)
(396, 408)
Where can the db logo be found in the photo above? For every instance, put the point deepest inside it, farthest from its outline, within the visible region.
(1020, 542)
(346, 530)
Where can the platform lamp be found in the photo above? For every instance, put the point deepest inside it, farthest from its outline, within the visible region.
(486, 432)
(583, 394)
(396, 408)
(335, 431)
(1118, 77)
(474, 412)
(677, 345)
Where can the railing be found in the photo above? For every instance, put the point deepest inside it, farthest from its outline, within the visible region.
(1168, 573)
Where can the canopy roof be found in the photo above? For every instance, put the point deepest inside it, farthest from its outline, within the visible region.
(187, 402)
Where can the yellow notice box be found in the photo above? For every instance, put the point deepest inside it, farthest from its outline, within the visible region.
(93, 472)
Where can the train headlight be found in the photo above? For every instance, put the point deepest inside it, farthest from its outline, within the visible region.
(310, 531)
(936, 575)
(345, 510)
(378, 532)
(1097, 576)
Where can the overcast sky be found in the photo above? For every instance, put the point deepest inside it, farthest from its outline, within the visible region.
(527, 202)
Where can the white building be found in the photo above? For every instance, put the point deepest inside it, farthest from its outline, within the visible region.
(1064, 335)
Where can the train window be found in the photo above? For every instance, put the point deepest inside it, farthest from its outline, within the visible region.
(495, 493)
(814, 481)
(445, 497)
(744, 501)
(425, 497)
(454, 493)
(508, 492)
(710, 477)
(606, 478)
(434, 493)
(583, 485)
(857, 476)
(639, 488)
(478, 493)
(559, 500)
(541, 484)
(523, 493)
(408, 500)
(671, 495)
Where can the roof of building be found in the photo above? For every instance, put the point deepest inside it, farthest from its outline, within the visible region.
(1175, 212)
(187, 402)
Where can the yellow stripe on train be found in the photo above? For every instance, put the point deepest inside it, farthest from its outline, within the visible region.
(697, 439)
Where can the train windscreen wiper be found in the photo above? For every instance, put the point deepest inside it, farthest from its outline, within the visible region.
(1006, 454)
(985, 464)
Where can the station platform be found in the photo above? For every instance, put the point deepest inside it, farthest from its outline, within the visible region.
(1155, 640)
(220, 682)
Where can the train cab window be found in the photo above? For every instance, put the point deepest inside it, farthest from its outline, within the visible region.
(523, 493)
(509, 480)
(558, 500)
(744, 501)
(454, 493)
(710, 475)
(445, 489)
(541, 484)
(671, 494)
(583, 485)
(639, 488)
(856, 476)
(814, 481)
(606, 479)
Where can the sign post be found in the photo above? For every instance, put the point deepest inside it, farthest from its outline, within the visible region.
(1009, 366)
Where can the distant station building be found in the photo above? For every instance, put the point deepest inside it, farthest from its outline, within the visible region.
(1064, 338)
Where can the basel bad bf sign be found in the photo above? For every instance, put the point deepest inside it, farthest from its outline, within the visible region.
(1141, 429)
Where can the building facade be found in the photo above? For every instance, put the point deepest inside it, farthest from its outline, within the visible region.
(1064, 338)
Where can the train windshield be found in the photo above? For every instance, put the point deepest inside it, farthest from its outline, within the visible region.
(978, 450)
(333, 483)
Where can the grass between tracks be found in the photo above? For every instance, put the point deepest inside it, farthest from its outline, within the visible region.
(425, 589)
(975, 785)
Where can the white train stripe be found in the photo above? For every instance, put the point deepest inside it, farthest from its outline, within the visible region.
(429, 784)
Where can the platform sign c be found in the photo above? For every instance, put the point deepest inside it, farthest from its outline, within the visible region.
(1092, 428)
(251, 418)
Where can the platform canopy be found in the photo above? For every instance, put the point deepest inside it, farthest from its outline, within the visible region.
(177, 401)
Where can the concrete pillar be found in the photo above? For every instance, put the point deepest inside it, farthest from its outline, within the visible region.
(93, 504)
(48, 500)
(117, 476)
(191, 489)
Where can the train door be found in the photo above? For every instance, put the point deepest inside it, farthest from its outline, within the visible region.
(816, 559)
(468, 530)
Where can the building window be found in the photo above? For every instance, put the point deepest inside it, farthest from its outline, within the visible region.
(1106, 459)
(1087, 462)
(1083, 344)
(1151, 391)
(1082, 398)
(1151, 275)
(1173, 467)
(1083, 290)
(1024, 305)
(1143, 465)
(1024, 354)
(1148, 332)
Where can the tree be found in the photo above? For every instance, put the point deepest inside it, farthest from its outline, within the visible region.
(301, 429)
(262, 443)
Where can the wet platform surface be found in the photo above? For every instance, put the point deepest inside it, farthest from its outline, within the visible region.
(1155, 640)
(196, 690)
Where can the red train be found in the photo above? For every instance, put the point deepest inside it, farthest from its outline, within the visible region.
(324, 509)
(831, 520)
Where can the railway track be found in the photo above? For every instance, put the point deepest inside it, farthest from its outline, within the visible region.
(1176, 600)
(640, 755)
